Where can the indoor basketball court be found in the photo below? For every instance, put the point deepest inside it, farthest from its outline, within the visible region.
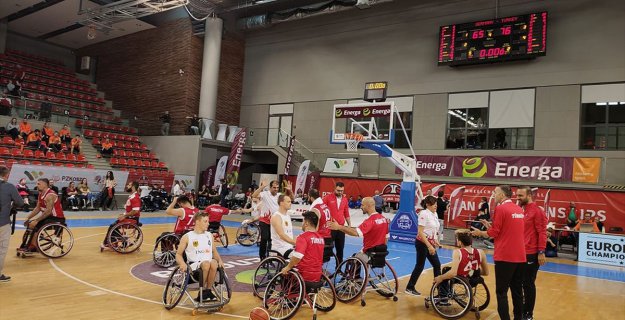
(388, 110)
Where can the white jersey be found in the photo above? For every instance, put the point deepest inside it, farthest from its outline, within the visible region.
(270, 203)
(199, 248)
(256, 208)
(278, 244)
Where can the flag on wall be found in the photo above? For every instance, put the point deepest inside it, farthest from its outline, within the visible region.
(208, 176)
(289, 156)
(455, 203)
(236, 155)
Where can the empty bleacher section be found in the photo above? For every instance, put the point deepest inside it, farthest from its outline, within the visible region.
(75, 102)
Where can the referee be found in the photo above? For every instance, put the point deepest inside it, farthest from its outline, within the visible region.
(508, 231)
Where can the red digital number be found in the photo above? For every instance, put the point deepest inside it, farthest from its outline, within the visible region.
(477, 34)
(506, 30)
(492, 52)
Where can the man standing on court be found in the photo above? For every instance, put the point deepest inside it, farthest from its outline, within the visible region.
(535, 243)
(508, 231)
(9, 198)
(339, 209)
(441, 208)
(379, 202)
(269, 199)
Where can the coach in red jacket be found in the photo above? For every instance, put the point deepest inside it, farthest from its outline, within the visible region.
(535, 243)
(508, 231)
(338, 205)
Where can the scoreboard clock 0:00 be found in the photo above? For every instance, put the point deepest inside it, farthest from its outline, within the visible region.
(502, 39)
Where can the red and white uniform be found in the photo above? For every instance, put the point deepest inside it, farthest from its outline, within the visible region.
(374, 231)
(309, 248)
(508, 232)
(469, 262)
(338, 207)
(133, 203)
(324, 216)
(270, 205)
(57, 209)
(535, 226)
(185, 222)
(216, 212)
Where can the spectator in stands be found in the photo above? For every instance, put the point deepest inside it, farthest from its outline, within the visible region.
(19, 142)
(20, 73)
(25, 128)
(442, 205)
(46, 132)
(53, 187)
(379, 202)
(72, 195)
(107, 147)
(177, 190)
(66, 136)
(194, 127)
(13, 129)
(202, 196)
(14, 88)
(571, 219)
(55, 142)
(213, 191)
(34, 139)
(108, 191)
(359, 202)
(164, 195)
(166, 119)
(85, 195)
(588, 219)
(551, 250)
(45, 112)
(5, 104)
(351, 203)
(76, 144)
(23, 191)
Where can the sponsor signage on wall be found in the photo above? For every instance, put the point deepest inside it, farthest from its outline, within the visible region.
(602, 249)
(336, 165)
(62, 176)
(236, 155)
(364, 111)
(186, 182)
(586, 170)
(524, 168)
(432, 165)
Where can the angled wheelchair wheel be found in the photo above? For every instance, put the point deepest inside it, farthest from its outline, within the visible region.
(266, 270)
(54, 240)
(481, 296)
(452, 299)
(251, 237)
(125, 237)
(164, 254)
(330, 264)
(350, 279)
(175, 288)
(326, 297)
(384, 280)
(223, 236)
(284, 295)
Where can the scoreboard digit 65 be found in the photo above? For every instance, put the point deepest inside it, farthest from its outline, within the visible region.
(502, 39)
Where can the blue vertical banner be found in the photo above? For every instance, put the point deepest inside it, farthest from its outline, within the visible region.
(404, 226)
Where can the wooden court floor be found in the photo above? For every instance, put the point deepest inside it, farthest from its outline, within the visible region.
(87, 284)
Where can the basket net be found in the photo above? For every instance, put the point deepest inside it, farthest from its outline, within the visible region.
(352, 140)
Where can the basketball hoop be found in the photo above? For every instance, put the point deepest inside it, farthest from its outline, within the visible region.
(352, 140)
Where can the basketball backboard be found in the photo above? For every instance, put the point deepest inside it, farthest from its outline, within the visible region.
(372, 120)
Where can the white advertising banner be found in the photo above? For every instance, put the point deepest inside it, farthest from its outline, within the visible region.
(602, 249)
(335, 165)
(220, 172)
(186, 182)
(302, 174)
(62, 176)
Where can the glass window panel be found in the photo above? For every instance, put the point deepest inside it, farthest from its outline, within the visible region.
(589, 138)
(525, 139)
(621, 138)
(593, 114)
(476, 139)
(499, 138)
(616, 114)
(612, 137)
(477, 118)
(455, 139)
(457, 118)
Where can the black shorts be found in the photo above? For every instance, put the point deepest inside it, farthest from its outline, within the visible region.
(49, 219)
(214, 226)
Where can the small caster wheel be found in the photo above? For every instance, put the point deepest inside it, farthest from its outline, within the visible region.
(194, 312)
(363, 303)
(395, 298)
(314, 317)
(477, 315)
(427, 305)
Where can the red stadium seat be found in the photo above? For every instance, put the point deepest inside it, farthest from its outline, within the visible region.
(71, 157)
(11, 162)
(162, 165)
(40, 154)
(61, 156)
(79, 123)
(36, 163)
(123, 162)
(58, 164)
(29, 153)
(8, 140)
(69, 165)
(50, 156)
(90, 166)
(154, 164)
(132, 163)
(25, 162)
(114, 161)
(96, 142)
(81, 158)
(49, 164)
(17, 153)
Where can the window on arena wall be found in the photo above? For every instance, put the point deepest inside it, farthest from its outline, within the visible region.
(603, 126)
(468, 128)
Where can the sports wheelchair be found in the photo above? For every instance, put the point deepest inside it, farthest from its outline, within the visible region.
(249, 238)
(273, 264)
(454, 298)
(286, 293)
(181, 283)
(219, 235)
(164, 253)
(356, 276)
(125, 236)
(53, 240)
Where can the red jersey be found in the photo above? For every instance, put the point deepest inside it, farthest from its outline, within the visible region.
(324, 217)
(216, 212)
(339, 211)
(185, 222)
(469, 262)
(57, 209)
(133, 203)
(508, 232)
(535, 226)
(374, 231)
(309, 248)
